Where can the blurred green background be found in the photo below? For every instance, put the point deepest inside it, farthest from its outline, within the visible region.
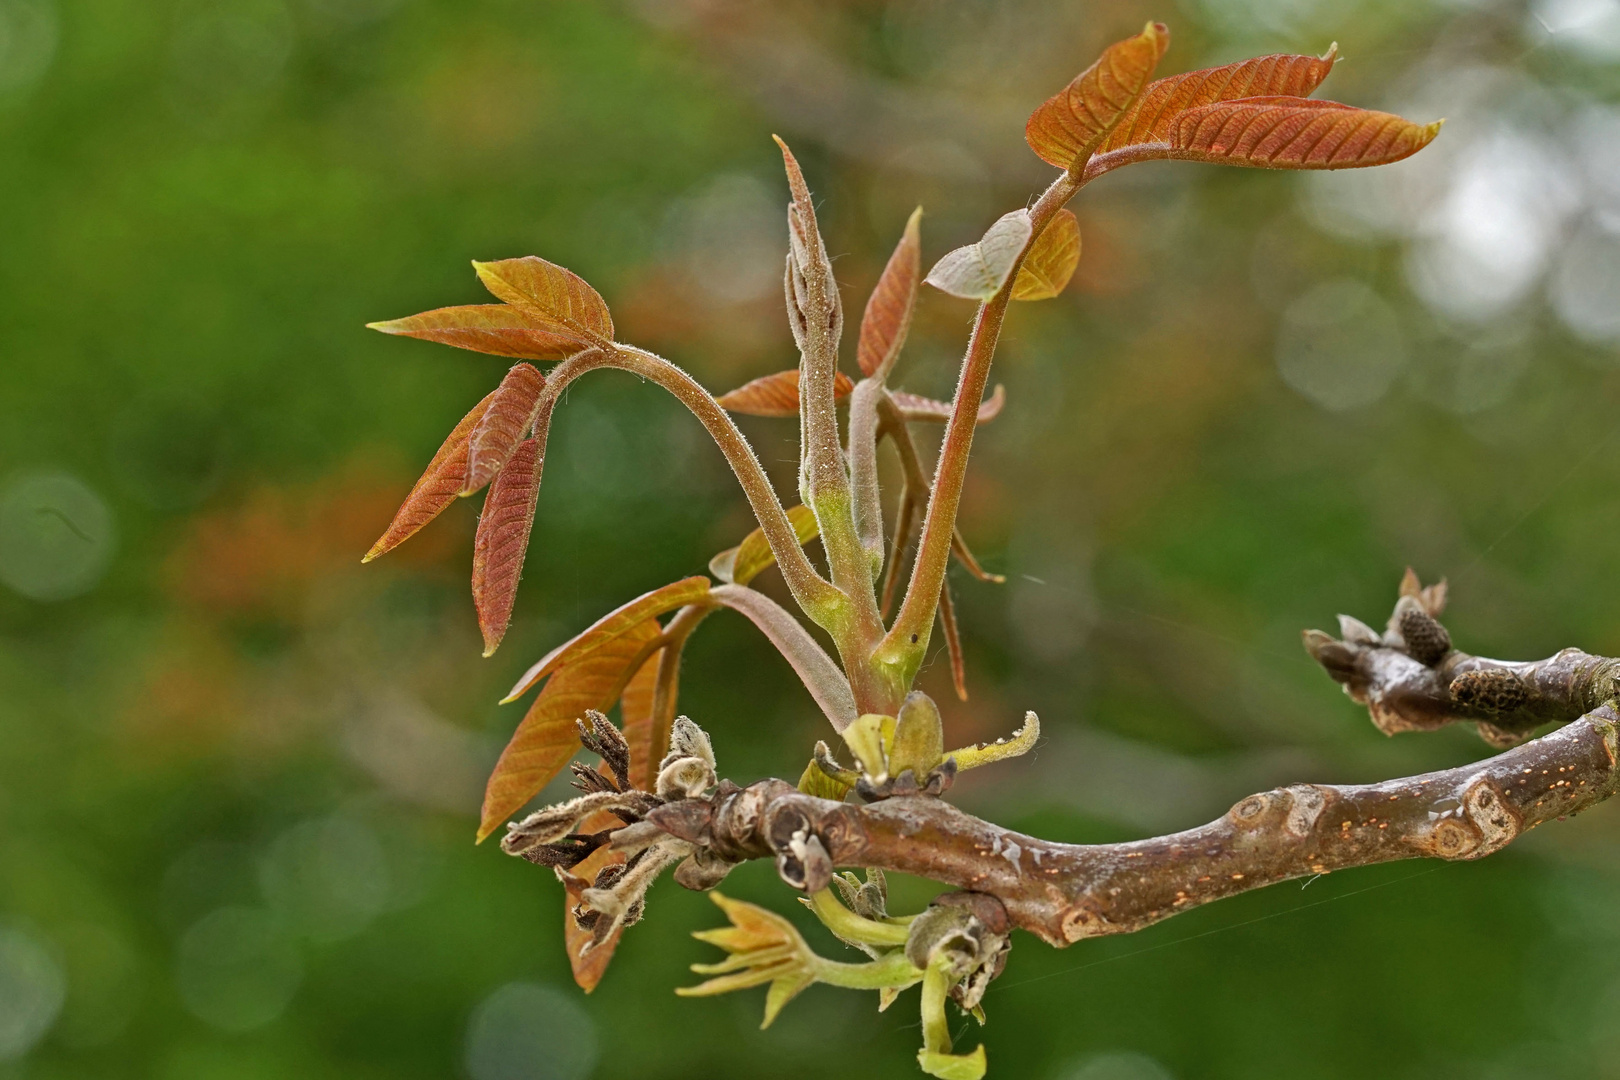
(239, 774)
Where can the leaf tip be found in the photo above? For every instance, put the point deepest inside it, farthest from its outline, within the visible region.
(1332, 55)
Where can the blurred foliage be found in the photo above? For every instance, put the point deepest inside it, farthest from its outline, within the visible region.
(239, 776)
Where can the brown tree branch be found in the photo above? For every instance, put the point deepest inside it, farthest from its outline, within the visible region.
(1409, 677)
(1065, 892)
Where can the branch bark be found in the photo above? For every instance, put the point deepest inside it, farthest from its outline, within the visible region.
(1409, 677)
(1065, 892)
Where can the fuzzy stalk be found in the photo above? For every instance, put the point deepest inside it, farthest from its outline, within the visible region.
(822, 601)
(902, 649)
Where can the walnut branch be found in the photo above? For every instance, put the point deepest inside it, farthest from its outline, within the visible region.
(1411, 679)
(1065, 892)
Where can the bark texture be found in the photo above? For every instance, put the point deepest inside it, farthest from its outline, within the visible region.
(1409, 677)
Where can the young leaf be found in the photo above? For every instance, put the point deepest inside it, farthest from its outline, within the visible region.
(752, 557)
(558, 300)
(1050, 263)
(1295, 133)
(547, 737)
(498, 329)
(503, 540)
(1069, 125)
(511, 407)
(607, 629)
(776, 395)
(916, 407)
(591, 966)
(978, 271)
(437, 487)
(1150, 119)
(888, 309)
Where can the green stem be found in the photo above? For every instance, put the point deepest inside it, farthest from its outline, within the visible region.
(892, 971)
(902, 649)
(850, 927)
(936, 982)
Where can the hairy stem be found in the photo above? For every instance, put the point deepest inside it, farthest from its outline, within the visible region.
(821, 601)
(903, 648)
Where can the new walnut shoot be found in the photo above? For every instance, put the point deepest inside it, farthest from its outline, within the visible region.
(657, 802)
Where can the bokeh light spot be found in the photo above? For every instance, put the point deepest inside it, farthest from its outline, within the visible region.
(328, 877)
(56, 536)
(32, 987)
(236, 969)
(1340, 345)
(1116, 1065)
(530, 1031)
(27, 41)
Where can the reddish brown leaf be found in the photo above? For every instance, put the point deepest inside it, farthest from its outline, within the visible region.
(888, 309)
(503, 540)
(1295, 133)
(558, 300)
(1050, 263)
(499, 329)
(1150, 119)
(637, 721)
(547, 737)
(752, 557)
(1071, 123)
(616, 623)
(917, 407)
(496, 435)
(978, 271)
(776, 395)
(437, 487)
(589, 967)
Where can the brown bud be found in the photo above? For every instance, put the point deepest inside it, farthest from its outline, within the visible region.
(1427, 641)
(1494, 690)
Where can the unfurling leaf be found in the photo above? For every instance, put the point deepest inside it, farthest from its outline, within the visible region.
(1276, 75)
(437, 487)
(547, 738)
(917, 407)
(493, 440)
(1050, 263)
(776, 395)
(610, 627)
(558, 300)
(888, 309)
(589, 965)
(978, 271)
(498, 329)
(1150, 119)
(1069, 125)
(752, 557)
(1295, 133)
(503, 540)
